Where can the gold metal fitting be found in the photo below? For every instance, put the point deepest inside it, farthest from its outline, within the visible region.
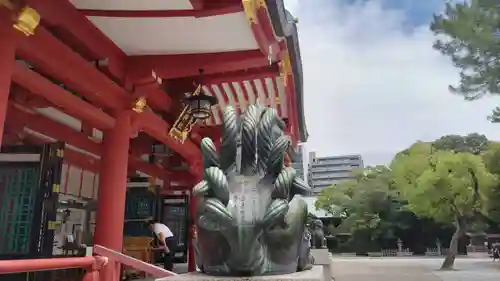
(27, 21)
(140, 104)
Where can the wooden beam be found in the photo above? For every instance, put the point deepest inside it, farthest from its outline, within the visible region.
(196, 13)
(70, 103)
(175, 66)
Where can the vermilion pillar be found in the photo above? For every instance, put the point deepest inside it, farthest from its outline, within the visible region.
(112, 191)
(8, 37)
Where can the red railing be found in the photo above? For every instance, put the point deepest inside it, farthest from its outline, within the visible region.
(132, 262)
(92, 265)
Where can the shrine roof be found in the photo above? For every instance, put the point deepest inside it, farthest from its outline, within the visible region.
(154, 28)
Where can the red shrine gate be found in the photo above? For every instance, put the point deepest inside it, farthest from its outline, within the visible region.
(107, 78)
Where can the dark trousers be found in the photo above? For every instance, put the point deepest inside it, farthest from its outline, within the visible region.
(169, 257)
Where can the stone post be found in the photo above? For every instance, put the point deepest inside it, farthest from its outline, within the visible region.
(400, 247)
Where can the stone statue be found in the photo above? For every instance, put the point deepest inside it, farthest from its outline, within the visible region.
(250, 217)
(318, 235)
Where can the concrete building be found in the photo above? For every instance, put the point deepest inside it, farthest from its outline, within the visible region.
(325, 171)
(298, 161)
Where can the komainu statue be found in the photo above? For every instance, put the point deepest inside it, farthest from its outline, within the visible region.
(318, 235)
(251, 218)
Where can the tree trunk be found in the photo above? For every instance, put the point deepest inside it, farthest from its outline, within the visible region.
(453, 250)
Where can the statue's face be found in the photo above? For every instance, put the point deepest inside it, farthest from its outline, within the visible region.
(318, 223)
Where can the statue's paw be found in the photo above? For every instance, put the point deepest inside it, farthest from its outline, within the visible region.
(218, 183)
(283, 183)
(209, 222)
(218, 211)
(201, 189)
(299, 186)
(209, 152)
(276, 210)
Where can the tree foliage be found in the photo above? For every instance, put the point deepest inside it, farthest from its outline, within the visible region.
(369, 203)
(443, 185)
(468, 33)
(473, 143)
(491, 159)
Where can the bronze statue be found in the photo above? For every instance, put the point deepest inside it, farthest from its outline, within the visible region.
(251, 217)
(318, 235)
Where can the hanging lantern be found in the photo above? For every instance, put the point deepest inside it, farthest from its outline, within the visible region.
(199, 105)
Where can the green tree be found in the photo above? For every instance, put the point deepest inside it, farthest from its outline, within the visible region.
(473, 143)
(369, 203)
(491, 159)
(468, 34)
(443, 185)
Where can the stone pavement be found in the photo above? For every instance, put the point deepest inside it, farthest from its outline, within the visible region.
(413, 269)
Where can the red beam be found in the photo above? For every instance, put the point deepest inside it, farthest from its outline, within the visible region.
(79, 33)
(267, 31)
(242, 75)
(64, 14)
(175, 66)
(158, 128)
(71, 104)
(197, 13)
(197, 4)
(71, 69)
(55, 130)
(24, 97)
(154, 94)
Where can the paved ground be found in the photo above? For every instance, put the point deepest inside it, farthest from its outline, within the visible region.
(413, 269)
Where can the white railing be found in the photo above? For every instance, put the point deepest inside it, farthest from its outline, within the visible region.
(436, 251)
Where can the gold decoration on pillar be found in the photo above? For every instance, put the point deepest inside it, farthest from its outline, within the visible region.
(285, 68)
(140, 104)
(261, 4)
(184, 124)
(250, 9)
(27, 21)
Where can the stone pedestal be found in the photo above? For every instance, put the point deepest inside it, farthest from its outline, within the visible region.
(315, 274)
(322, 258)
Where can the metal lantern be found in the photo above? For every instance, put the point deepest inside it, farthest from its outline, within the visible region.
(199, 105)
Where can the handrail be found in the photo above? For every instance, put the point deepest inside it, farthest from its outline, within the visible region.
(133, 262)
(29, 265)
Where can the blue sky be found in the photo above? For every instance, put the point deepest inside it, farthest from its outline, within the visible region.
(417, 12)
(372, 82)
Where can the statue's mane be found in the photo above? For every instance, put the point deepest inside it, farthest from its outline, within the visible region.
(259, 135)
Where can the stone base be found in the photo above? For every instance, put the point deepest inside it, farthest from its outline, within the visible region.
(315, 274)
(323, 259)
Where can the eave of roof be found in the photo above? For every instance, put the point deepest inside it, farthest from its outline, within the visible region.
(284, 26)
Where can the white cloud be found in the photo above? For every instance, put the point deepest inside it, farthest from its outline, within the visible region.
(372, 87)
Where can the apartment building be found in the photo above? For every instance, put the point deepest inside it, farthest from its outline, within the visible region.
(298, 161)
(325, 171)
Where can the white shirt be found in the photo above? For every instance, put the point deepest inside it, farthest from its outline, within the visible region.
(161, 228)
